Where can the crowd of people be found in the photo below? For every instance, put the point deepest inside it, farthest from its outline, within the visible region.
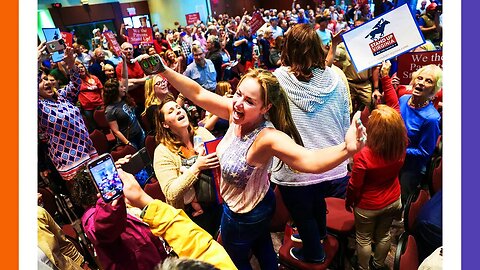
(291, 111)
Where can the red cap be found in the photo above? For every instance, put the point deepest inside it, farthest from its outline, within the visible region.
(431, 7)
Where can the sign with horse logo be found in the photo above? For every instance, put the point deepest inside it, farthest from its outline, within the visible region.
(382, 38)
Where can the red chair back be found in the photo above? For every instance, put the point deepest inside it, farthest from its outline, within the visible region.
(339, 220)
(281, 215)
(150, 145)
(154, 190)
(99, 141)
(101, 119)
(102, 124)
(406, 256)
(122, 150)
(412, 208)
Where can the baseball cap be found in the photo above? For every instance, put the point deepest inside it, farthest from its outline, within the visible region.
(431, 7)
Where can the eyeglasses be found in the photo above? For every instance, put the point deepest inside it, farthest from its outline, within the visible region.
(162, 83)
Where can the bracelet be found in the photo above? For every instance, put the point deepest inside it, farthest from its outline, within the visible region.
(144, 211)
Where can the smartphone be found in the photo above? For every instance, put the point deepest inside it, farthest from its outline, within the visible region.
(137, 162)
(55, 46)
(105, 177)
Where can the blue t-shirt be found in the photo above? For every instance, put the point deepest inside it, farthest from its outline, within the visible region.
(423, 129)
(325, 36)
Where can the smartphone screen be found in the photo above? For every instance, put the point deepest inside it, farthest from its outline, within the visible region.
(54, 34)
(106, 177)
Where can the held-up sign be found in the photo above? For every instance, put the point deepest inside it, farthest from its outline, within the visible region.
(192, 18)
(142, 35)
(411, 62)
(68, 38)
(256, 22)
(382, 38)
(113, 42)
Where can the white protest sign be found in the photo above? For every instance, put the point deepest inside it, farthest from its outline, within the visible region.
(382, 38)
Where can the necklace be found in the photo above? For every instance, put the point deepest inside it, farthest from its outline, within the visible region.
(417, 106)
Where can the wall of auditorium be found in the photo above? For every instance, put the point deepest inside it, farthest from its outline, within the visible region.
(162, 12)
(237, 7)
(166, 12)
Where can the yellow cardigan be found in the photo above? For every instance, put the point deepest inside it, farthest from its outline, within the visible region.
(185, 237)
(167, 165)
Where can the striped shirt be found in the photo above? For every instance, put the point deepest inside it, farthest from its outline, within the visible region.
(320, 111)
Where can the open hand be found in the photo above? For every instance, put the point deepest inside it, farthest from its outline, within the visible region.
(41, 52)
(385, 69)
(356, 136)
(206, 162)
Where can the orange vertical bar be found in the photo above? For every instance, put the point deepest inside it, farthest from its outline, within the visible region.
(9, 136)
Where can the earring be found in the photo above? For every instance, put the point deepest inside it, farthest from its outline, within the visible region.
(266, 116)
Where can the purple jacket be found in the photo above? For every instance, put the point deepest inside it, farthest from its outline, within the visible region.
(121, 240)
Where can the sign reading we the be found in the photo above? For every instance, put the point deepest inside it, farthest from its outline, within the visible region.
(142, 35)
(410, 62)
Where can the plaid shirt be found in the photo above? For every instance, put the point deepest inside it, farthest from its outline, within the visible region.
(185, 48)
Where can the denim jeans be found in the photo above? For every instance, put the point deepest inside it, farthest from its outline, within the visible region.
(138, 140)
(242, 233)
(337, 187)
(409, 181)
(308, 209)
(91, 124)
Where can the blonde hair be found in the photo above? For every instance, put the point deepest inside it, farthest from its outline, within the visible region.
(150, 97)
(437, 75)
(387, 134)
(224, 88)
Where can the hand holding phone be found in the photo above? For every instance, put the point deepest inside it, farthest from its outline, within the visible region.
(105, 177)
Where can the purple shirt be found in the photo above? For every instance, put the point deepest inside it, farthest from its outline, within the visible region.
(121, 240)
(61, 125)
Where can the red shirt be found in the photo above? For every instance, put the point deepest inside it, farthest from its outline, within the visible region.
(134, 72)
(90, 96)
(374, 183)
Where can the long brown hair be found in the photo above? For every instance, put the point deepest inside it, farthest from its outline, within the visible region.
(387, 135)
(272, 93)
(164, 135)
(302, 51)
(111, 92)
